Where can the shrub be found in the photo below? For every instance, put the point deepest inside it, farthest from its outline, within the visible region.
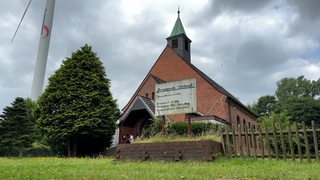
(178, 128)
(153, 129)
(197, 128)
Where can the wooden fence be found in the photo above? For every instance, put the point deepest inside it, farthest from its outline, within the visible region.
(296, 141)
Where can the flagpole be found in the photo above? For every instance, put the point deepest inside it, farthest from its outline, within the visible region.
(41, 63)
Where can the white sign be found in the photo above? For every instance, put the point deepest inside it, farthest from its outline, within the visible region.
(176, 97)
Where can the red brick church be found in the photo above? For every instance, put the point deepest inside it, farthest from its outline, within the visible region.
(214, 103)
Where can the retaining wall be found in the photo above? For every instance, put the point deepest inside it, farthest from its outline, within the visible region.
(169, 151)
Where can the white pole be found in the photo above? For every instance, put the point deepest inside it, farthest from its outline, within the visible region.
(41, 63)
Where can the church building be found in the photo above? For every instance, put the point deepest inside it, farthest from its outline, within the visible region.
(214, 103)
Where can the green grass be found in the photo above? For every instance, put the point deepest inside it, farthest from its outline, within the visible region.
(173, 138)
(107, 168)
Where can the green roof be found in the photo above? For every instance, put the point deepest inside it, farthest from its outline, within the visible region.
(178, 27)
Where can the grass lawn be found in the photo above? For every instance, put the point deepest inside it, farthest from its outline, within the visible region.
(107, 168)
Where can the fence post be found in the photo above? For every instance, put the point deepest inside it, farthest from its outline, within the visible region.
(261, 143)
(247, 140)
(222, 140)
(240, 138)
(275, 141)
(283, 147)
(228, 141)
(306, 141)
(268, 143)
(298, 142)
(253, 143)
(315, 141)
(234, 142)
(290, 143)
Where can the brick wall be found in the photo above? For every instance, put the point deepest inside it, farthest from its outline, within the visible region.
(170, 67)
(124, 133)
(238, 112)
(169, 151)
(210, 101)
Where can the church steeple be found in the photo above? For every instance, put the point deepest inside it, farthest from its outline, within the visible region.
(179, 41)
(178, 27)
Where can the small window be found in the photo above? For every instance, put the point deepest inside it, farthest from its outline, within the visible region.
(152, 96)
(175, 43)
(186, 45)
(147, 95)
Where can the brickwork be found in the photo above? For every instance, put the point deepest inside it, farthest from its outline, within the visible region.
(245, 118)
(148, 88)
(210, 101)
(170, 67)
(170, 151)
(125, 133)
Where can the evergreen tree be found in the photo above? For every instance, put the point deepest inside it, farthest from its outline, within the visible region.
(77, 111)
(17, 130)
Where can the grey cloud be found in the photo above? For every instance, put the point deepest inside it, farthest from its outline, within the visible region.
(307, 18)
(216, 7)
(248, 6)
(241, 60)
(307, 8)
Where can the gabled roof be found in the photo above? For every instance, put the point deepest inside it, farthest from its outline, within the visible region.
(149, 104)
(178, 27)
(141, 103)
(203, 75)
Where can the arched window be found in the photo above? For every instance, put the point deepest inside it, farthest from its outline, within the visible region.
(244, 124)
(238, 122)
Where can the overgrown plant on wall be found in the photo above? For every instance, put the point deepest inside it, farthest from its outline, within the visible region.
(179, 128)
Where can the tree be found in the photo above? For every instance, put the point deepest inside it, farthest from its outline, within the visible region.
(77, 111)
(281, 120)
(17, 128)
(303, 109)
(264, 106)
(297, 87)
(297, 97)
(300, 98)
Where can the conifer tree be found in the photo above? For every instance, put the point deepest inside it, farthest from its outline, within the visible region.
(17, 130)
(77, 112)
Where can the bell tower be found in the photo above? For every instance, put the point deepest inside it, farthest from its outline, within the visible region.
(179, 41)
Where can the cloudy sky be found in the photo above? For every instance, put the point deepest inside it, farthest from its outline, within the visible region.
(244, 45)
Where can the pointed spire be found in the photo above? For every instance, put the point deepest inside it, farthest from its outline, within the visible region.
(178, 27)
